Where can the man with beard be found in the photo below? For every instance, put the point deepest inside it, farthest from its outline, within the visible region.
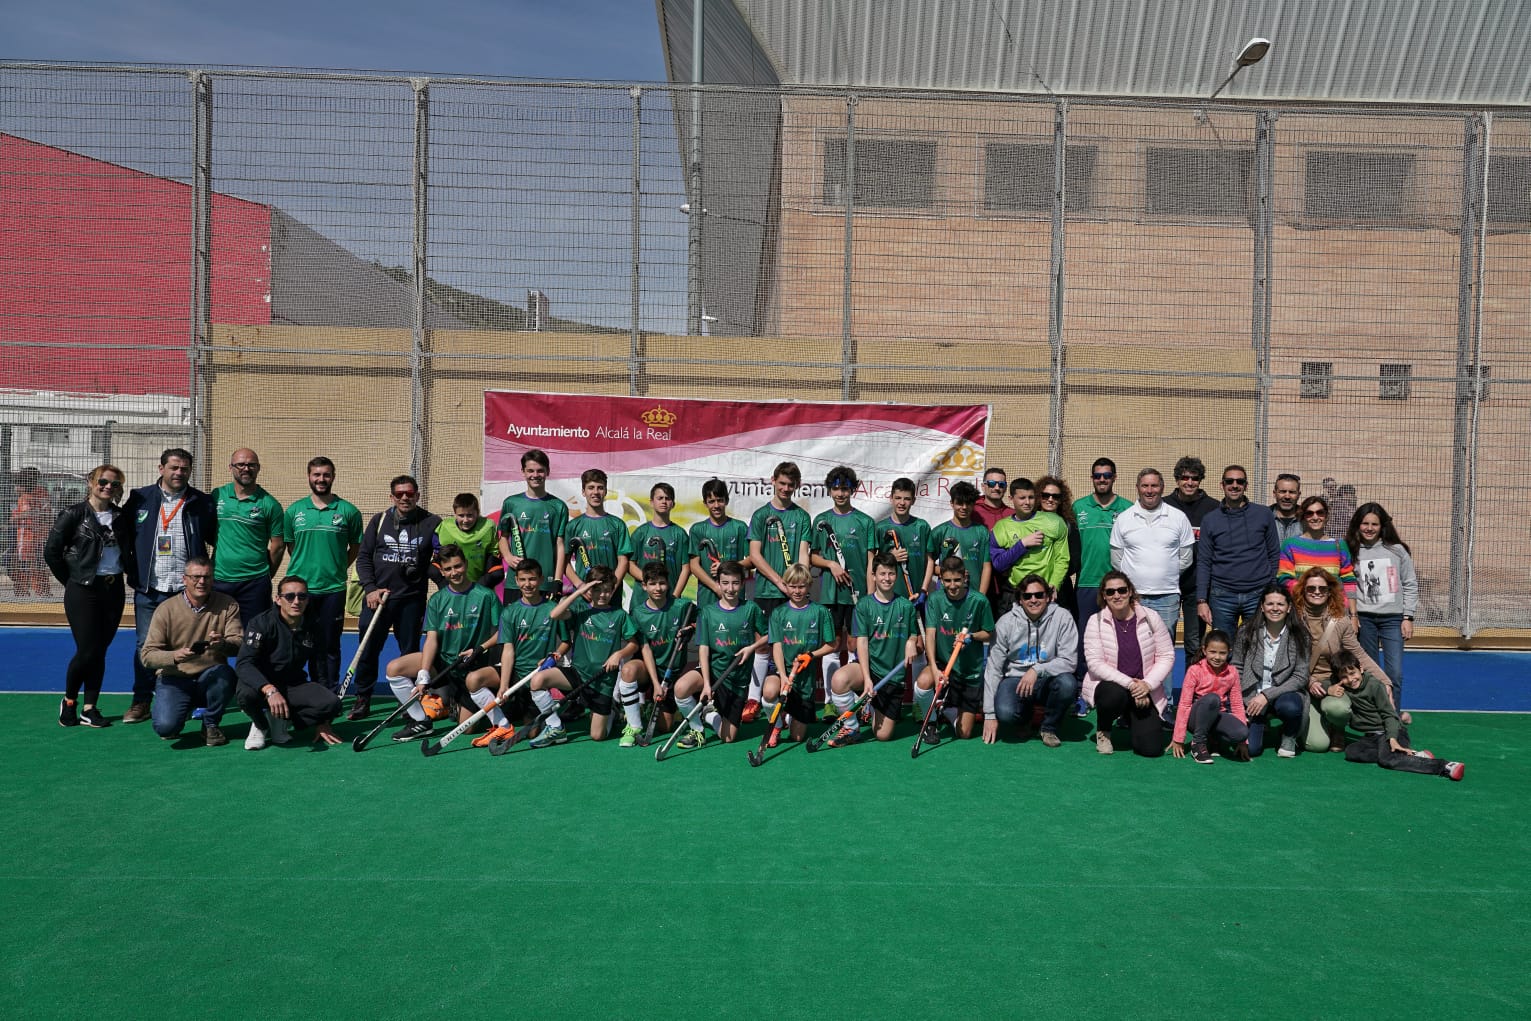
(1287, 492)
(394, 562)
(323, 534)
(249, 537)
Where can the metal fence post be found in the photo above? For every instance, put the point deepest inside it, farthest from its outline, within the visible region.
(1055, 296)
(696, 211)
(419, 192)
(1465, 405)
(634, 339)
(1260, 311)
(847, 338)
(200, 357)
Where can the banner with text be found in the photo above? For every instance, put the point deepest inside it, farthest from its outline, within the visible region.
(639, 441)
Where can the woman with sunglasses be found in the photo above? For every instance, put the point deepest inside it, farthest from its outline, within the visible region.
(1053, 495)
(1331, 631)
(1313, 548)
(1271, 654)
(89, 548)
(1129, 655)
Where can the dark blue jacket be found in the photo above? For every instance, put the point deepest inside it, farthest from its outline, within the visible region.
(199, 523)
(1238, 549)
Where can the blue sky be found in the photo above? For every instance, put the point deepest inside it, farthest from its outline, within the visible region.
(608, 40)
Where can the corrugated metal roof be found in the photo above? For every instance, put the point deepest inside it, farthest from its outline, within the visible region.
(1409, 51)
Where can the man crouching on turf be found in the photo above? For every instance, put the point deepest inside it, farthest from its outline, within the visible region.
(1031, 661)
(885, 626)
(728, 634)
(273, 687)
(461, 620)
(603, 636)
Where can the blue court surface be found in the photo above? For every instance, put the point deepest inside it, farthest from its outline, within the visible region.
(33, 659)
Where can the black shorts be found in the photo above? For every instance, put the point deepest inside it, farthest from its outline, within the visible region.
(840, 614)
(729, 703)
(666, 704)
(965, 698)
(597, 696)
(890, 701)
(768, 605)
(800, 708)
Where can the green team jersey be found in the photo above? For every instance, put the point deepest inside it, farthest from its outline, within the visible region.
(732, 540)
(598, 632)
(970, 543)
(320, 539)
(461, 620)
(1094, 523)
(973, 613)
(657, 628)
(530, 630)
(886, 627)
(914, 536)
(856, 533)
(799, 630)
(670, 543)
(725, 632)
(797, 524)
(541, 523)
(479, 547)
(604, 538)
(245, 527)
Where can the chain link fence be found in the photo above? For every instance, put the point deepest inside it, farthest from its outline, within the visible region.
(311, 263)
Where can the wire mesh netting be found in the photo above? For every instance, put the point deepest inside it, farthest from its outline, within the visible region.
(1336, 293)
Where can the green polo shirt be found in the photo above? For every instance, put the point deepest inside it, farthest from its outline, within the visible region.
(245, 530)
(319, 540)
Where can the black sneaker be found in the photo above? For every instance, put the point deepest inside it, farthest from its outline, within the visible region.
(213, 735)
(92, 718)
(412, 731)
(360, 709)
(1200, 753)
(931, 733)
(68, 713)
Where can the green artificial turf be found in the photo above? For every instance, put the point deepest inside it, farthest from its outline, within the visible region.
(145, 878)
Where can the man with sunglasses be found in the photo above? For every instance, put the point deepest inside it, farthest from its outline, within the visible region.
(1191, 500)
(250, 543)
(394, 561)
(1031, 662)
(991, 507)
(1236, 556)
(274, 666)
(1095, 515)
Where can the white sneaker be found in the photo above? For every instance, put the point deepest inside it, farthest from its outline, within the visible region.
(1288, 748)
(280, 731)
(255, 740)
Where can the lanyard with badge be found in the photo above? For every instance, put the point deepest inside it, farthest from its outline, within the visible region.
(162, 544)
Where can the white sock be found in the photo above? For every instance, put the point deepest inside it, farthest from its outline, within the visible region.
(766, 709)
(684, 707)
(843, 704)
(403, 690)
(544, 701)
(922, 699)
(627, 694)
(831, 663)
(762, 664)
(712, 720)
(484, 700)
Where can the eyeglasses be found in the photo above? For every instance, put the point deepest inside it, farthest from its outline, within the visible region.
(1103, 475)
(405, 494)
(1235, 482)
(1032, 596)
(1315, 514)
(1319, 589)
(1116, 591)
(994, 483)
(1189, 478)
(108, 484)
(293, 597)
(244, 464)
(201, 579)
(1050, 496)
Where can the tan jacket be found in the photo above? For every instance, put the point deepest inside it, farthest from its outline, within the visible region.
(176, 625)
(1330, 635)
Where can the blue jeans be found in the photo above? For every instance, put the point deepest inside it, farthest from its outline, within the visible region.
(1056, 693)
(1086, 605)
(1193, 627)
(1168, 609)
(144, 605)
(1384, 632)
(405, 616)
(1287, 709)
(1229, 606)
(176, 697)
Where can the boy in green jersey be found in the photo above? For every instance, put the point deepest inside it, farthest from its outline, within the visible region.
(602, 538)
(1029, 541)
(460, 620)
(728, 636)
(716, 540)
(887, 631)
(953, 607)
(657, 619)
(528, 635)
(963, 536)
(907, 539)
(658, 541)
(796, 627)
(779, 534)
(532, 524)
(855, 534)
(603, 636)
(475, 536)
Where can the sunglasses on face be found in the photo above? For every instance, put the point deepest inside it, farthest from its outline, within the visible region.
(1117, 591)
(994, 483)
(1317, 589)
(1315, 514)
(108, 484)
(1052, 496)
(1235, 482)
(1189, 478)
(408, 494)
(293, 597)
(1033, 596)
(1102, 475)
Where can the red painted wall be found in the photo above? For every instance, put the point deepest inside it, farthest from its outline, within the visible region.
(94, 253)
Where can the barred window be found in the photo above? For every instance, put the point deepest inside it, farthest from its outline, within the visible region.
(1359, 187)
(890, 173)
(1018, 177)
(1509, 189)
(1393, 381)
(1315, 379)
(1200, 182)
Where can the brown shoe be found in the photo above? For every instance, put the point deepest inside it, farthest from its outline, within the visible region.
(1050, 739)
(214, 735)
(137, 713)
(360, 709)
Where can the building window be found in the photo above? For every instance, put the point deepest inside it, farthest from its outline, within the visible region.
(1315, 379)
(53, 436)
(1481, 373)
(1019, 177)
(1393, 382)
(890, 173)
(1509, 189)
(1359, 187)
(1200, 182)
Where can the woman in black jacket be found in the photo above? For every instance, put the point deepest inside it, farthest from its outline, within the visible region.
(88, 549)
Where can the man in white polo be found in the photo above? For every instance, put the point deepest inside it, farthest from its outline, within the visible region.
(1151, 543)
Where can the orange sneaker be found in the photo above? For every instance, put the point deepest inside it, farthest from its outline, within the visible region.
(482, 741)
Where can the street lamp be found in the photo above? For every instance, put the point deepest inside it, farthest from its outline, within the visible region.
(1253, 52)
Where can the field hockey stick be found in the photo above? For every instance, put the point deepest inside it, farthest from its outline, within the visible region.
(903, 568)
(428, 750)
(685, 724)
(575, 545)
(517, 544)
(678, 644)
(709, 549)
(855, 708)
(345, 683)
(778, 713)
(361, 742)
(781, 537)
(939, 695)
(832, 541)
(949, 547)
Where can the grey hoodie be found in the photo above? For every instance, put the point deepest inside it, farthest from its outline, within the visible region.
(1385, 580)
(1050, 643)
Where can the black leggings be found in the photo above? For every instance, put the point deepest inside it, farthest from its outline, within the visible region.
(1113, 702)
(94, 613)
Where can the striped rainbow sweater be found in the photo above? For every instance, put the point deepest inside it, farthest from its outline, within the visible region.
(1300, 553)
